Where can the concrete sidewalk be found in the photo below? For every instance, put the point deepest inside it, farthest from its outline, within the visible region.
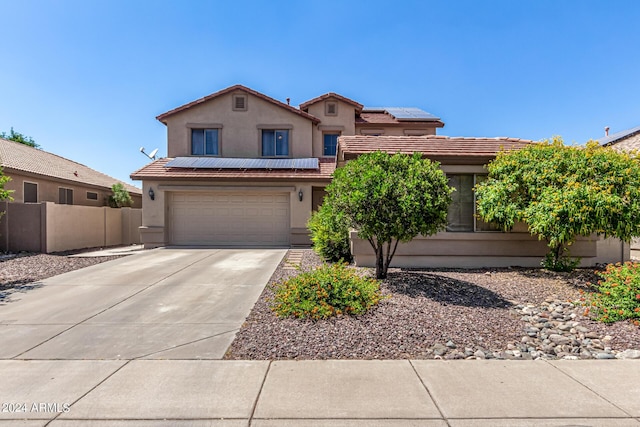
(319, 393)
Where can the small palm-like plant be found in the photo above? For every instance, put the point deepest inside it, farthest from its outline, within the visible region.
(120, 196)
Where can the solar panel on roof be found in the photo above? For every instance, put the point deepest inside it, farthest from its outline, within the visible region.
(403, 113)
(410, 113)
(240, 163)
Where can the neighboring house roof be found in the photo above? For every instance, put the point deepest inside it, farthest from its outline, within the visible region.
(396, 116)
(305, 105)
(22, 158)
(158, 170)
(626, 140)
(163, 117)
(432, 146)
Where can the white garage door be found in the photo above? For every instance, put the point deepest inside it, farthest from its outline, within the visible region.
(229, 218)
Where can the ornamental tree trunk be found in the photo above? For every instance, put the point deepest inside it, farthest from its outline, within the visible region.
(557, 253)
(383, 259)
(381, 269)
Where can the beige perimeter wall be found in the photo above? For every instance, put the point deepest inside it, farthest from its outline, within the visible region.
(49, 227)
(488, 249)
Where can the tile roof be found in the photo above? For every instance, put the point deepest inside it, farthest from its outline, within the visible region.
(622, 135)
(162, 117)
(430, 146)
(382, 118)
(305, 105)
(158, 171)
(21, 157)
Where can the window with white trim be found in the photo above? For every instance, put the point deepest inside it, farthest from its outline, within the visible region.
(462, 210)
(275, 143)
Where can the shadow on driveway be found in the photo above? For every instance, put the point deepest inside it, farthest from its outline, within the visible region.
(7, 289)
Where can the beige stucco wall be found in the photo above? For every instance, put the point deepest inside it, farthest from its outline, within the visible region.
(75, 227)
(485, 250)
(342, 123)
(48, 190)
(239, 132)
(154, 230)
(69, 226)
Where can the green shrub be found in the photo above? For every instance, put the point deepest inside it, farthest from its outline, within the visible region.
(330, 234)
(327, 291)
(562, 263)
(619, 294)
(120, 196)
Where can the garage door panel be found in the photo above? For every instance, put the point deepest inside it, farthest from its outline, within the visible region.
(230, 219)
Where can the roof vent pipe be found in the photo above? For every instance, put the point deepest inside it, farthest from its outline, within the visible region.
(606, 131)
(288, 101)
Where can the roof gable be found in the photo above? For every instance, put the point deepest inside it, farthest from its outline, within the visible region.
(22, 158)
(305, 105)
(163, 117)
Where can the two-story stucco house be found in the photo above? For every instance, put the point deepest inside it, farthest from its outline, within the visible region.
(246, 169)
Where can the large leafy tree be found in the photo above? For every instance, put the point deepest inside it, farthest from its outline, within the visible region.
(18, 137)
(390, 199)
(561, 192)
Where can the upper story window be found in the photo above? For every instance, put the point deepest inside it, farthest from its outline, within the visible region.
(204, 142)
(462, 210)
(330, 144)
(275, 142)
(239, 103)
(331, 108)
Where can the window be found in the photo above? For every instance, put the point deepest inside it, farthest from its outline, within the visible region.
(30, 192)
(330, 144)
(275, 143)
(92, 196)
(65, 196)
(331, 108)
(461, 215)
(239, 102)
(204, 142)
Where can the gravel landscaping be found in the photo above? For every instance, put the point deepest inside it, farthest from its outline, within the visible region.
(449, 314)
(17, 270)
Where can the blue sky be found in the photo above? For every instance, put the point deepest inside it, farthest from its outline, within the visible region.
(87, 78)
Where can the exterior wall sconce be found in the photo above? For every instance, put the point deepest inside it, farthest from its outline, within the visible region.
(300, 195)
(152, 195)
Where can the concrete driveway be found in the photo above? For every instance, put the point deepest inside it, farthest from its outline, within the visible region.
(159, 304)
